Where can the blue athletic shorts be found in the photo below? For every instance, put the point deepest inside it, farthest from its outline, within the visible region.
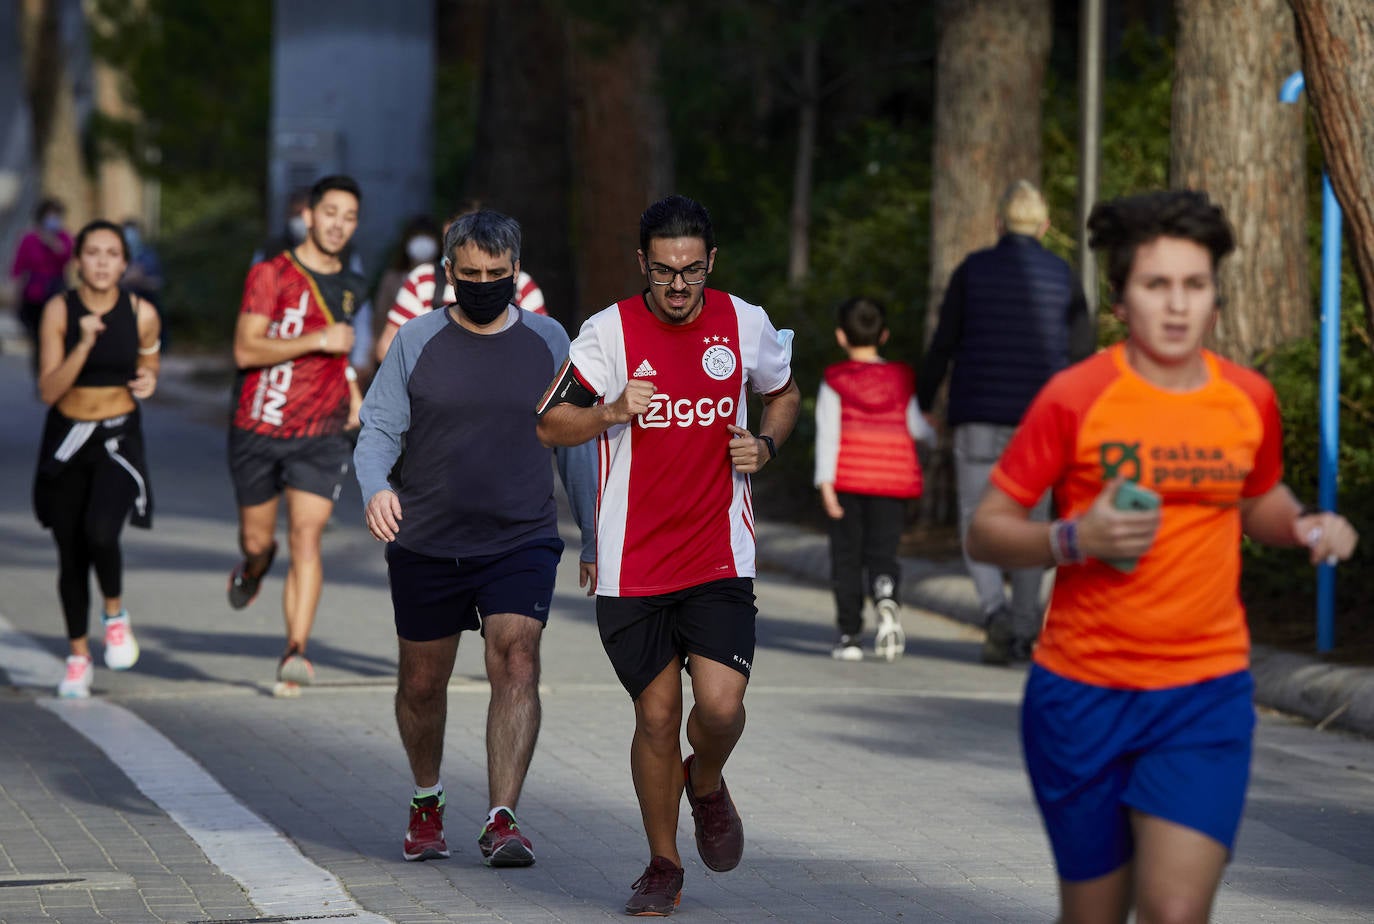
(438, 597)
(1096, 753)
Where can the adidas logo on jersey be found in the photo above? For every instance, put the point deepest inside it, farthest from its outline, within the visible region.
(645, 370)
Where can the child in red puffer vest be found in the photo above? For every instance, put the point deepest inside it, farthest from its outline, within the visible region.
(867, 422)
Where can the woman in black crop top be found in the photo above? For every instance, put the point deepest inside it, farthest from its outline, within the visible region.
(98, 354)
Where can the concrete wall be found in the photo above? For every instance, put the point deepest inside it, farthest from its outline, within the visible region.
(352, 92)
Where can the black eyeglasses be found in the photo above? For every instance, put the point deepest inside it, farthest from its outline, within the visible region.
(693, 275)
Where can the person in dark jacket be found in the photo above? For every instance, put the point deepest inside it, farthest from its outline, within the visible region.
(1013, 315)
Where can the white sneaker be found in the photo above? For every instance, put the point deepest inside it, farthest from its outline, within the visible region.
(121, 648)
(890, 642)
(77, 683)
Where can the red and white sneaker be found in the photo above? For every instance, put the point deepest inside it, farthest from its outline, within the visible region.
(77, 683)
(502, 844)
(425, 832)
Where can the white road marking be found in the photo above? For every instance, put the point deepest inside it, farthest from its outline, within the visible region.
(279, 879)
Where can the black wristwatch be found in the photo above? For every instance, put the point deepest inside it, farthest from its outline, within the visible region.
(772, 449)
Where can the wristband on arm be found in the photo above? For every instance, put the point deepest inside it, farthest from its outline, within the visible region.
(1064, 542)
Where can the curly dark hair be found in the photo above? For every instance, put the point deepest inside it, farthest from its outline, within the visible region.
(1120, 226)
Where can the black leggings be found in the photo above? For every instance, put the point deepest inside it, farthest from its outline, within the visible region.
(863, 544)
(89, 503)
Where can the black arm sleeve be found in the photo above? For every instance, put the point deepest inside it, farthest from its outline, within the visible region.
(942, 346)
(567, 388)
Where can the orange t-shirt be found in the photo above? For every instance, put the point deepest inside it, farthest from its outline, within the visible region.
(1177, 618)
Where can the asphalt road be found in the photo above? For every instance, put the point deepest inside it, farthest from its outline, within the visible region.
(185, 792)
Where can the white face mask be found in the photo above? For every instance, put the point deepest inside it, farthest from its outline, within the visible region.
(295, 226)
(422, 249)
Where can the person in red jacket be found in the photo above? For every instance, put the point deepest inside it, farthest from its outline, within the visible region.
(867, 419)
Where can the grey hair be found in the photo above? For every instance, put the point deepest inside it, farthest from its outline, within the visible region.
(493, 233)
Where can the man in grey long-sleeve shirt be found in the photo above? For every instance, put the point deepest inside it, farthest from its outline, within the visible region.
(459, 486)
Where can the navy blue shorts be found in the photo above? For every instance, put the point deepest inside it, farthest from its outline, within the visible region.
(643, 635)
(438, 597)
(1095, 754)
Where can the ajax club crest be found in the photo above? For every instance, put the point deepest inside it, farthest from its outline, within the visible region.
(718, 361)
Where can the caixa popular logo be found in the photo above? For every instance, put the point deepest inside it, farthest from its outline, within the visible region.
(663, 411)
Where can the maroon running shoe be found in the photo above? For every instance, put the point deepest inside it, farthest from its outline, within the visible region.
(720, 832)
(658, 892)
(425, 833)
(502, 844)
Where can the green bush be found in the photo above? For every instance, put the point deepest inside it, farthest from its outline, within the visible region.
(1279, 584)
(207, 241)
(869, 237)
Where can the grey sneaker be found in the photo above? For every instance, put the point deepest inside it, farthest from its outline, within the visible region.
(295, 668)
(997, 645)
(890, 642)
(1022, 649)
(243, 589)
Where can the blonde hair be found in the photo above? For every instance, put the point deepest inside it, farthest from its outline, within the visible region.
(1022, 208)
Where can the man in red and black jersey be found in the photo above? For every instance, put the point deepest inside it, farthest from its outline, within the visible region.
(296, 395)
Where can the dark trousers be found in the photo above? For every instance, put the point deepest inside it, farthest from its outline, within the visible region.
(89, 503)
(863, 544)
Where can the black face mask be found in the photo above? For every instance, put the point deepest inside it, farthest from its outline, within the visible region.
(483, 302)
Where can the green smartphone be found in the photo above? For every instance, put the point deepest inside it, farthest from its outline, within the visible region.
(1131, 496)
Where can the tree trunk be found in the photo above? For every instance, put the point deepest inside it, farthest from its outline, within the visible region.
(622, 158)
(799, 244)
(520, 157)
(52, 101)
(989, 70)
(1233, 139)
(1337, 41)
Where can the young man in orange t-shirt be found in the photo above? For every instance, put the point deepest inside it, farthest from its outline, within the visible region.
(1137, 719)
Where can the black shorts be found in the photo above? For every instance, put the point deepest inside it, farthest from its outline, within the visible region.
(437, 597)
(262, 466)
(643, 635)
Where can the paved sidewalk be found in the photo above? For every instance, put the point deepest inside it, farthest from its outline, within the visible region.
(870, 791)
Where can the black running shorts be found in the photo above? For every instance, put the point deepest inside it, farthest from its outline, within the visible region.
(262, 466)
(643, 635)
(438, 597)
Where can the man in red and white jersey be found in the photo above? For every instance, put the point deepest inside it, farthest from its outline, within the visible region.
(296, 396)
(658, 380)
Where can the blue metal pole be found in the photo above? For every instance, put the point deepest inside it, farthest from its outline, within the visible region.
(1329, 385)
(1329, 401)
